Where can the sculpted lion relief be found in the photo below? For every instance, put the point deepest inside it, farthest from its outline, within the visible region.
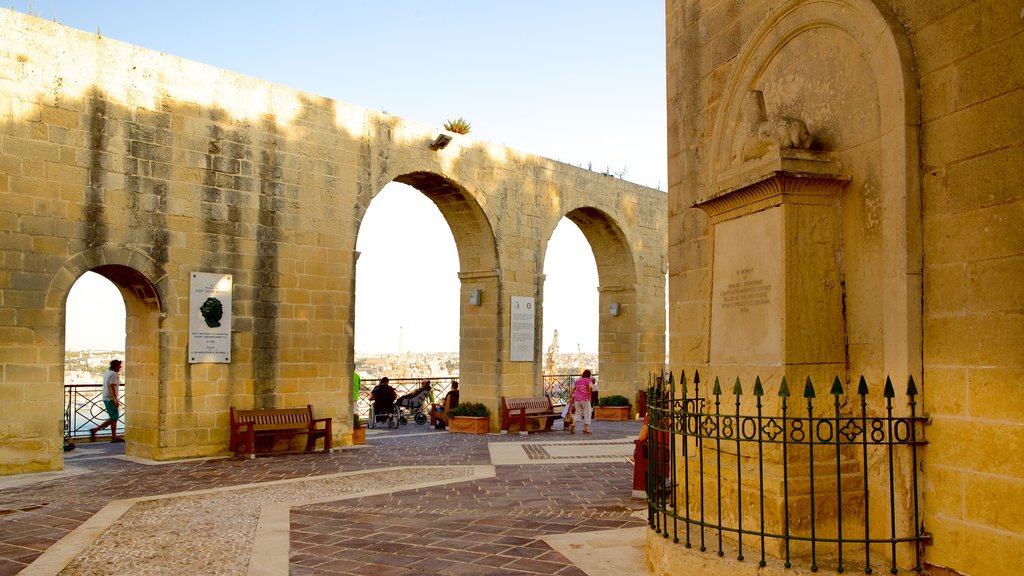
(764, 134)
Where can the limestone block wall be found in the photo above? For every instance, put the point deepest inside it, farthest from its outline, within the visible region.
(144, 167)
(926, 118)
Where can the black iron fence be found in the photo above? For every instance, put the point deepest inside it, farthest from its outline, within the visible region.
(801, 479)
(559, 386)
(439, 386)
(83, 403)
(556, 387)
(83, 409)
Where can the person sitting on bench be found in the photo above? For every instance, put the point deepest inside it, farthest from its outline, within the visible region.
(451, 400)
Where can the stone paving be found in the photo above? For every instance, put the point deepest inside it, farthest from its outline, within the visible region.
(413, 501)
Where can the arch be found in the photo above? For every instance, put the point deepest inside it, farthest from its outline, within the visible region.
(144, 287)
(474, 235)
(479, 269)
(269, 184)
(619, 338)
(616, 267)
(888, 55)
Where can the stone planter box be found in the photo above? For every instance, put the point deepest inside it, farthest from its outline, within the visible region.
(469, 424)
(611, 412)
(358, 435)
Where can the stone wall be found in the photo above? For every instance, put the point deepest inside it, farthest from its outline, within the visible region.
(145, 168)
(921, 106)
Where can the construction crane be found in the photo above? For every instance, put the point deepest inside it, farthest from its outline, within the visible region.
(550, 364)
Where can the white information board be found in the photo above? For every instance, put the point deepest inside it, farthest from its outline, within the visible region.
(209, 318)
(523, 326)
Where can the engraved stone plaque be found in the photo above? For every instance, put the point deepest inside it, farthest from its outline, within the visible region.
(747, 285)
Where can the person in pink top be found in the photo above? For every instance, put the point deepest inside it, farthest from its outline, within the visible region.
(581, 402)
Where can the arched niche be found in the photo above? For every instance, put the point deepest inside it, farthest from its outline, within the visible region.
(847, 70)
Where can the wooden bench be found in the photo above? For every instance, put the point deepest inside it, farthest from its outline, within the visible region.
(529, 414)
(276, 423)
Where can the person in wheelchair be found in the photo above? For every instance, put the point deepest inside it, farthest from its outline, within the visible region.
(414, 403)
(382, 407)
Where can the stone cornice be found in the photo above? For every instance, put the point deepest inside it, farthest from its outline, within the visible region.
(780, 176)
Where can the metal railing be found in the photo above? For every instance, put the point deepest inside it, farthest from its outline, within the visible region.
(556, 386)
(818, 480)
(83, 409)
(83, 403)
(439, 386)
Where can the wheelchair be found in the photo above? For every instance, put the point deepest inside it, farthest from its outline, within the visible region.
(414, 406)
(389, 417)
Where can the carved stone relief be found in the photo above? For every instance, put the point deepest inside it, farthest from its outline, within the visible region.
(764, 134)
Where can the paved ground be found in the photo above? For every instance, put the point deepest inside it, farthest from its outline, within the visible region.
(412, 501)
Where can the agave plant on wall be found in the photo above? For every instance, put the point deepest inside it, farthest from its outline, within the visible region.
(458, 126)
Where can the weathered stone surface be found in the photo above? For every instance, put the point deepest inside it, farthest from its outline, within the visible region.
(144, 168)
(922, 105)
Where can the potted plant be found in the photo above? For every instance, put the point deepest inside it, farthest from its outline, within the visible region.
(469, 418)
(358, 431)
(612, 407)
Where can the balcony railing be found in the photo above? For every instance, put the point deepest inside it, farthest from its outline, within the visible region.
(83, 403)
(810, 480)
(83, 409)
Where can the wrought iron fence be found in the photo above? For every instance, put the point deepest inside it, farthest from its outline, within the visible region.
(83, 403)
(439, 386)
(556, 386)
(559, 386)
(83, 409)
(833, 480)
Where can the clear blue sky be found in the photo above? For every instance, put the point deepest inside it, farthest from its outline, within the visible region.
(580, 81)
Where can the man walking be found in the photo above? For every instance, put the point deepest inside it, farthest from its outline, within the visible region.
(111, 402)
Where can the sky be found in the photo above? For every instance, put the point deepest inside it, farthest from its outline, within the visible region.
(579, 81)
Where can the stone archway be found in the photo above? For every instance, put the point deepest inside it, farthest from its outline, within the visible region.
(153, 175)
(619, 341)
(144, 288)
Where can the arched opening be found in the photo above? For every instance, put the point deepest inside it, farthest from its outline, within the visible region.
(407, 293)
(94, 334)
(413, 290)
(571, 314)
(619, 346)
(144, 341)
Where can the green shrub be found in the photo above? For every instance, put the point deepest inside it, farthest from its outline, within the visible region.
(470, 409)
(613, 400)
(355, 420)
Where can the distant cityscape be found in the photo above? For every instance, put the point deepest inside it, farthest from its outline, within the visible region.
(88, 366)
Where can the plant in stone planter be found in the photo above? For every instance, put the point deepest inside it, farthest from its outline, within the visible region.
(612, 407)
(358, 430)
(613, 400)
(469, 418)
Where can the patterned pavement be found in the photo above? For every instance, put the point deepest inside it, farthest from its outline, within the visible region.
(543, 485)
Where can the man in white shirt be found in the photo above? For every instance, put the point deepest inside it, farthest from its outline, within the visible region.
(111, 402)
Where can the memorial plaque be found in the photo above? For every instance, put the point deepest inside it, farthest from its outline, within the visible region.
(523, 328)
(209, 320)
(746, 304)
